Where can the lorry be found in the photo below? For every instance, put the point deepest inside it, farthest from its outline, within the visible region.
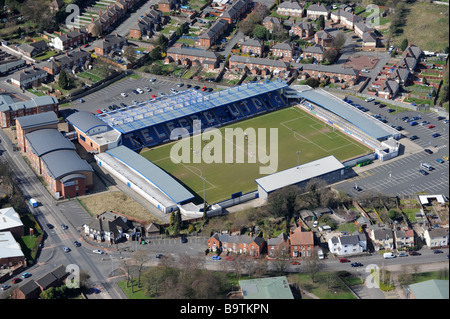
(33, 202)
(388, 255)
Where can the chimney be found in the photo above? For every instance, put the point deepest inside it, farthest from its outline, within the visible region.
(73, 28)
(107, 7)
(100, 13)
(92, 19)
(33, 67)
(300, 224)
(117, 35)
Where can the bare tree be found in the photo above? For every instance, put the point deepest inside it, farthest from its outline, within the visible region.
(140, 257)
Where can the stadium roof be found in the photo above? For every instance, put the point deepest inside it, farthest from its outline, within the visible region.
(299, 174)
(84, 121)
(158, 177)
(366, 123)
(181, 104)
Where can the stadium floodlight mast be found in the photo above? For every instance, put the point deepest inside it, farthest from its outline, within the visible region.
(204, 192)
(298, 159)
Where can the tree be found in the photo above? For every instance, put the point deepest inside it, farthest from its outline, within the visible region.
(312, 82)
(162, 42)
(339, 40)
(260, 32)
(63, 81)
(321, 23)
(330, 55)
(404, 44)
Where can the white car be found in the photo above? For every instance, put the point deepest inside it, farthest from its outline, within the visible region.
(123, 94)
(365, 71)
(139, 90)
(66, 249)
(369, 99)
(97, 251)
(315, 223)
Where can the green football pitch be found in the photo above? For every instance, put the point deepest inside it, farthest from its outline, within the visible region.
(298, 131)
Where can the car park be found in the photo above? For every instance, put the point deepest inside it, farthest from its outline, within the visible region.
(97, 251)
(26, 275)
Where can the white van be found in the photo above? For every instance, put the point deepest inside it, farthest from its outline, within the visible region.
(427, 166)
(388, 255)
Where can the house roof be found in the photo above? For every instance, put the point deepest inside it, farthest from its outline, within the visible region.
(194, 53)
(40, 119)
(234, 9)
(299, 237)
(48, 140)
(253, 43)
(9, 218)
(261, 61)
(293, 5)
(318, 7)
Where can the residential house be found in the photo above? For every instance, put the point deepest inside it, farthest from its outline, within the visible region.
(73, 61)
(436, 237)
(272, 23)
(10, 110)
(168, 5)
(388, 89)
(408, 62)
(382, 238)
(369, 40)
(335, 73)
(238, 244)
(302, 243)
(324, 39)
(278, 247)
(188, 56)
(11, 255)
(316, 10)
(33, 48)
(9, 63)
(234, 12)
(284, 50)
(404, 238)
(290, 8)
(400, 75)
(109, 44)
(210, 36)
(314, 51)
(28, 290)
(304, 30)
(27, 77)
(258, 65)
(74, 38)
(347, 245)
(361, 27)
(146, 25)
(413, 51)
(111, 228)
(348, 19)
(253, 46)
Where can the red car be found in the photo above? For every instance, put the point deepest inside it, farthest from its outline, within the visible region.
(430, 126)
(153, 96)
(99, 112)
(204, 88)
(294, 262)
(344, 260)
(16, 280)
(229, 258)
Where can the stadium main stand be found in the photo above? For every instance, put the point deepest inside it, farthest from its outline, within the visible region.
(150, 123)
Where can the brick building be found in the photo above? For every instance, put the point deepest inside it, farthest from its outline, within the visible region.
(241, 244)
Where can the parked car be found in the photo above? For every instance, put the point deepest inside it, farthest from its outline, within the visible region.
(204, 88)
(5, 287)
(148, 89)
(16, 280)
(437, 251)
(344, 260)
(184, 239)
(369, 99)
(26, 275)
(390, 110)
(215, 257)
(76, 243)
(229, 258)
(423, 172)
(430, 126)
(64, 226)
(414, 137)
(66, 249)
(97, 251)
(428, 151)
(50, 226)
(159, 256)
(357, 188)
(153, 96)
(123, 94)
(414, 253)
(99, 112)
(439, 160)
(402, 255)
(445, 157)
(294, 262)
(356, 264)
(435, 135)
(180, 85)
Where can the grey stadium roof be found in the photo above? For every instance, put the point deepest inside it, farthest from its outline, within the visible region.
(39, 141)
(63, 162)
(298, 174)
(190, 102)
(84, 121)
(366, 123)
(158, 177)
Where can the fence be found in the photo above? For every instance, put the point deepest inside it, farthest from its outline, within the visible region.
(238, 200)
